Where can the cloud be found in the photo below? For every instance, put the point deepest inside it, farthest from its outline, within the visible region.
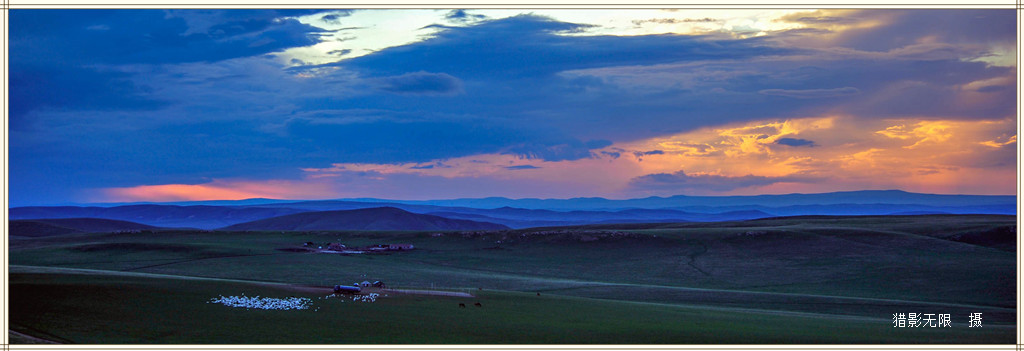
(680, 181)
(999, 144)
(217, 86)
(335, 16)
(521, 167)
(923, 133)
(402, 140)
(795, 142)
(902, 28)
(62, 88)
(540, 50)
(811, 93)
(422, 83)
(340, 52)
(461, 16)
(556, 151)
(820, 19)
(675, 20)
(151, 36)
(82, 69)
(215, 190)
(640, 154)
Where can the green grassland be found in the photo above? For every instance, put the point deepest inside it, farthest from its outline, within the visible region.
(91, 308)
(788, 280)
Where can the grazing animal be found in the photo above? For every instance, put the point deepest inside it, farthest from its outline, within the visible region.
(478, 304)
(462, 305)
(538, 294)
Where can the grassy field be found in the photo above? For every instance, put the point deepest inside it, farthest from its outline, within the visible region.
(76, 307)
(798, 280)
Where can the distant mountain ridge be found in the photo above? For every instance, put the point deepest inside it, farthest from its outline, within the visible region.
(550, 212)
(378, 218)
(898, 197)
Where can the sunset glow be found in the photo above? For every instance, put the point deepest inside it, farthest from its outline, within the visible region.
(190, 105)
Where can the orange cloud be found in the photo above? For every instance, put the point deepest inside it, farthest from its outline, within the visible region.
(848, 153)
(832, 153)
(218, 190)
(998, 144)
(924, 132)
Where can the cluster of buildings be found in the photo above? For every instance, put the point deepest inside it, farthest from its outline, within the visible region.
(357, 287)
(341, 248)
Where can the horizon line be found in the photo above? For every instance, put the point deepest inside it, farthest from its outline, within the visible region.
(364, 199)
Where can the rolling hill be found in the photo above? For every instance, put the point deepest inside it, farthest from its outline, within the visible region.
(380, 218)
(63, 226)
(203, 217)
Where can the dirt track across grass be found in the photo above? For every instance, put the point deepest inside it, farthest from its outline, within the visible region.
(20, 338)
(429, 292)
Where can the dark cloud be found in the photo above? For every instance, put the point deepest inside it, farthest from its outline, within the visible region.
(56, 62)
(334, 17)
(675, 20)
(340, 52)
(795, 142)
(645, 153)
(63, 88)
(901, 28)
(422, 83)
(514, 168)
(522, 80)
(992, 88)
(818, 18)
(680, 181)
(803, 32)
(811, 93)
(556, 151)
(150, 36)
(461, 16)
(530, 46)
(640, 154)
(389, 141)
(431, 166)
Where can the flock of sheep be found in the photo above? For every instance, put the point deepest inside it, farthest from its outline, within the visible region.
(264, 303)
(371, 297)
(291, 303)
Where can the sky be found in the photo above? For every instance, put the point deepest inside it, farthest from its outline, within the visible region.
(179, 105)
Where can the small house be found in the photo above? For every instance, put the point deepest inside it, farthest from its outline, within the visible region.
(400, 247)
(336, 246)
(365, 284)
(379, 284)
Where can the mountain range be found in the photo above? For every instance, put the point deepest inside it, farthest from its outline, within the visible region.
(523, 213)
(378, 218)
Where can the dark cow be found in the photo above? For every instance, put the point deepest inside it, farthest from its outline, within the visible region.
(538, 294)
(478, 304)
(462, 305)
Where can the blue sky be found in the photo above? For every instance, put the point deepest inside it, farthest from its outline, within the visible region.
(160, 105)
